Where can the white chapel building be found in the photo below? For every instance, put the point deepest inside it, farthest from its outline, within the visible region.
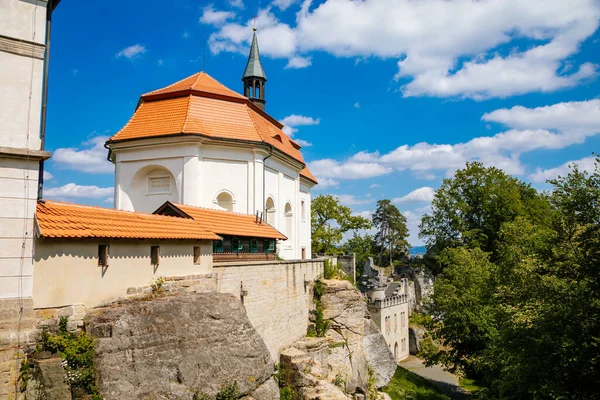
(199, 143)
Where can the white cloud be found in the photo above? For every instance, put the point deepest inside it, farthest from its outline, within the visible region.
(351, 200)
(283, 4)
(577, 117)
(91, 159)
(357, 105)
(298, 62)
(303, 143)
(216, 18)
(413, 220)
(332, 169)
(542, 175)
(47, 176)
(132, 52)
(552, 127)
(497, 48)
(423, 194)
(185, 35)
(74, 191)
(292, 121)
(327, 182)
(375, 185)
(236, 3)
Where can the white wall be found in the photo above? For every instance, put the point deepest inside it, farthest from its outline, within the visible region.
(74, 263)
(201, 171)
(22, 37)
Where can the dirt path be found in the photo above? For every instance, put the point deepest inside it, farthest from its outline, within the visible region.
(447, 382)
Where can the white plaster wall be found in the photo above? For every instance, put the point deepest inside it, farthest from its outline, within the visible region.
(25, 20)
(304, 231)
(395, 333)
(277, 300)
(74, 263)
(228, 175)
(201, 171)
(18, 193)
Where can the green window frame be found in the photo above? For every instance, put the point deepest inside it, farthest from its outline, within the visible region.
(253, 246)
(269, 246)
(237, 245)
(217, 246)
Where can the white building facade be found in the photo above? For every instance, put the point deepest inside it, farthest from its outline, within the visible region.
(198, 143)
(23, 58)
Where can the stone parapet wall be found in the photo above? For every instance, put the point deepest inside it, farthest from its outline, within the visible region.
(17, 331)
(277, 296)
(202, 283)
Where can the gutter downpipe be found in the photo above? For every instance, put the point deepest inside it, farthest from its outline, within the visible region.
(49, 8)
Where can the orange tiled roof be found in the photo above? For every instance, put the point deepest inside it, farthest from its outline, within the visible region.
(57, 219)
(225, 222)
(200, 105)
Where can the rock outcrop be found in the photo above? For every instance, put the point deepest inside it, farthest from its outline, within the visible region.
(416, 334)
(336, 366)
(174, 347)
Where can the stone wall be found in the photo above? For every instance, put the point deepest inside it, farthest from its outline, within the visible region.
(17, 330)
(276, 295)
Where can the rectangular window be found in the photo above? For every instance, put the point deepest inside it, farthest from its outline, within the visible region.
(217, 246)
(269, 246)
(303, 210)
(155, 255)
(237, 245)
(196, 255)
(159, 184)
(103, 255)
(253, 246)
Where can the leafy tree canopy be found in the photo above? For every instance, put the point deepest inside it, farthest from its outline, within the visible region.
(330, 220)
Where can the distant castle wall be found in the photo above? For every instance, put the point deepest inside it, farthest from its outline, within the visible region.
(277, 296)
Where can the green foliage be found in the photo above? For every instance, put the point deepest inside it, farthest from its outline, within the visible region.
(77, 350)
(158, 285)
(200, 396)
(230, 392)
(470, 385)
(339, 380)
(371, 383)
(330, 220)
(363, 247)
(470, 208)
(287, 393)
(321, 325)
(335, 271)
(392, 232)
(521, 313)
(336, 345)
(408, 385)
(24, 371)
(422, 320)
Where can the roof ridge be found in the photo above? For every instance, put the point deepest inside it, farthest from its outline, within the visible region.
(248, 109)
(187, 114)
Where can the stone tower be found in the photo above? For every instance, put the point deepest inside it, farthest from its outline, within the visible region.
(254, 77)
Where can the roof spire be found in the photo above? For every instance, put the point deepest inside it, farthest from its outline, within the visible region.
(254, 77)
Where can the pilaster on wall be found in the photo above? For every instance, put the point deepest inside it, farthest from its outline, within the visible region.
(277, 297)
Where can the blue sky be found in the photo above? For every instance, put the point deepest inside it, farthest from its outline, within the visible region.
(388, 96)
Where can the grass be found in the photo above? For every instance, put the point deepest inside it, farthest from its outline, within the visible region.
(408, 385)
(470, 385)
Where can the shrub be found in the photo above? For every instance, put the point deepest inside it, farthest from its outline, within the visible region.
(158, 285)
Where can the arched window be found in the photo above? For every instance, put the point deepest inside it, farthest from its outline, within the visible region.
(395, 323)
(396, 351)
(270, 210)
(225, 201)
(287, 212)
(303, 210)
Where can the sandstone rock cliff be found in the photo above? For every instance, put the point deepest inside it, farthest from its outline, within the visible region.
(335, 366)
(174, 347)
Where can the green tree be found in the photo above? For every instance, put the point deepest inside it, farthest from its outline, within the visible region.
(524, 318)
(470, 208)
(362, 246)
(330, 220)
(391, 231)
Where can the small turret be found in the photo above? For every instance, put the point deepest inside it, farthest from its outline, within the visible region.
(254, 77)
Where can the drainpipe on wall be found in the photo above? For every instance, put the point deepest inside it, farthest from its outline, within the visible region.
(50, 6)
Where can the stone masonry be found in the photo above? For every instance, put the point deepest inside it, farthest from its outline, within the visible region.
(276, 295)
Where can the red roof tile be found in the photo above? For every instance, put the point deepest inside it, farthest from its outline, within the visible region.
(63, 220)
(225, 222)
(200, 105)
